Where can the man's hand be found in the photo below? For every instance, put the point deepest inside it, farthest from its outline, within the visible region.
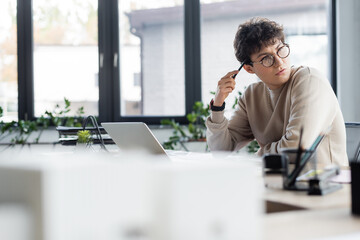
(225, 86)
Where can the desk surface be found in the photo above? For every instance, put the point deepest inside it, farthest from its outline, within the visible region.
(312, 224)
(280, 200)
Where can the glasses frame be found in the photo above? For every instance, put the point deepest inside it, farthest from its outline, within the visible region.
(273, 57)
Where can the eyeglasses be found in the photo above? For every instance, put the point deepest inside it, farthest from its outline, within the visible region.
(269, 59)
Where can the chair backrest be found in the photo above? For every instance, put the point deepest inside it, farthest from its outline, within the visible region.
(353, 141)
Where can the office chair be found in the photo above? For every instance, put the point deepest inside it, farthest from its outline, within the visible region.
(353, 141)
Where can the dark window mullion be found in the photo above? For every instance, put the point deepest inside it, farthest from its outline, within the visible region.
(25, 60)
(109, 92)
(116, 73)
(192, 53)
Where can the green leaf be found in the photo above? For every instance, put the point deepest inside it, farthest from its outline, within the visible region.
(69, 122)
(235, 103)
(67, 103)
(183, 134)
(84, 136)
(198, 106)
(253, 146)
(191, 117)
(165, 122)
(174, 138)
(169, 145)
(191, 128)
(80, 111)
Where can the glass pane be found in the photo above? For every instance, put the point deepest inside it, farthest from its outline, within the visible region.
(66, 55)
(8, 61)
(152, 57)
(305, 25)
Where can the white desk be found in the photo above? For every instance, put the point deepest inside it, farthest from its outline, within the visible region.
(196, 197)
(279, 200)
(337, 223)
(295, 215)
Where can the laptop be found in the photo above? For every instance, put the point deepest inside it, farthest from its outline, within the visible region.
(133, 136)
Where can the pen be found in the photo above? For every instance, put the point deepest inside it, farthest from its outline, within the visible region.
(233, 76)
(299, 150)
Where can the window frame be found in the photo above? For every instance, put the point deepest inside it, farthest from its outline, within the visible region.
(25, 60)
(192, 67)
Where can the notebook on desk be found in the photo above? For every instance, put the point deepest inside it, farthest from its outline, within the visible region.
(134, 136)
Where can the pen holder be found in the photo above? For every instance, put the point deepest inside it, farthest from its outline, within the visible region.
(273, 170)
(355, 187)
(292, 170)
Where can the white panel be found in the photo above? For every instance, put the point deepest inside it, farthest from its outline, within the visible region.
(348, 63)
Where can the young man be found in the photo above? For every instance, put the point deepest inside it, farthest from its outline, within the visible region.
(274, 110)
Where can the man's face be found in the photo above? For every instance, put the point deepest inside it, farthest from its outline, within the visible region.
(277, 74)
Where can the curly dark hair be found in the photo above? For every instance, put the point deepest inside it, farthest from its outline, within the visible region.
(252, 35)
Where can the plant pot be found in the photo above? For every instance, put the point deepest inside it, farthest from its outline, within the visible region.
(81, 147)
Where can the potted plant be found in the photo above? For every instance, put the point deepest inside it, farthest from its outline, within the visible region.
(20, 130)
(195, 130)
(84, 137)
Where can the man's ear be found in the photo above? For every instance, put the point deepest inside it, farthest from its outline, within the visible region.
(248, 68)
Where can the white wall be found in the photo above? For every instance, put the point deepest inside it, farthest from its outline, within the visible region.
(348, 59)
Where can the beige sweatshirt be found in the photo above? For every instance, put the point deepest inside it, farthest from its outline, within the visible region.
(274, 118)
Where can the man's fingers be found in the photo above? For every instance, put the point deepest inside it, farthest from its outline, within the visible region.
(227, 80)
(226, 89)
(225, 86)
(229, 76)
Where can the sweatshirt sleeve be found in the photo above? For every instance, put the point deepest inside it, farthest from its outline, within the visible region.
(312, 106)
(228, 135)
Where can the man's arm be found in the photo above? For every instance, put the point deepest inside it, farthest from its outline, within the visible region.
(312, 106)
(224, 135)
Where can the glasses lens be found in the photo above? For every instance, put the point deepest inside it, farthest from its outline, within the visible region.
(284, 51)
(267, 61)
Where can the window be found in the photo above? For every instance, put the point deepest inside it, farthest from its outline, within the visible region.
(8, 60)
(150, 65)
(152, 50)
(65, 54)
(305, 24)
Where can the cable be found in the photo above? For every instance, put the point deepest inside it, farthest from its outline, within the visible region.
(97, 130)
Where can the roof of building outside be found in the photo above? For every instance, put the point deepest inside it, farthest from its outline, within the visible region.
(140, 18)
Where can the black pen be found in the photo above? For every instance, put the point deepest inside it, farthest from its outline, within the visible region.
(299, 150)
(233, 76)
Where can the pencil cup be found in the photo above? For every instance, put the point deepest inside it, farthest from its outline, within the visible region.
(273, 169)
(290, 157)
(292, 170)
(355, 187)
